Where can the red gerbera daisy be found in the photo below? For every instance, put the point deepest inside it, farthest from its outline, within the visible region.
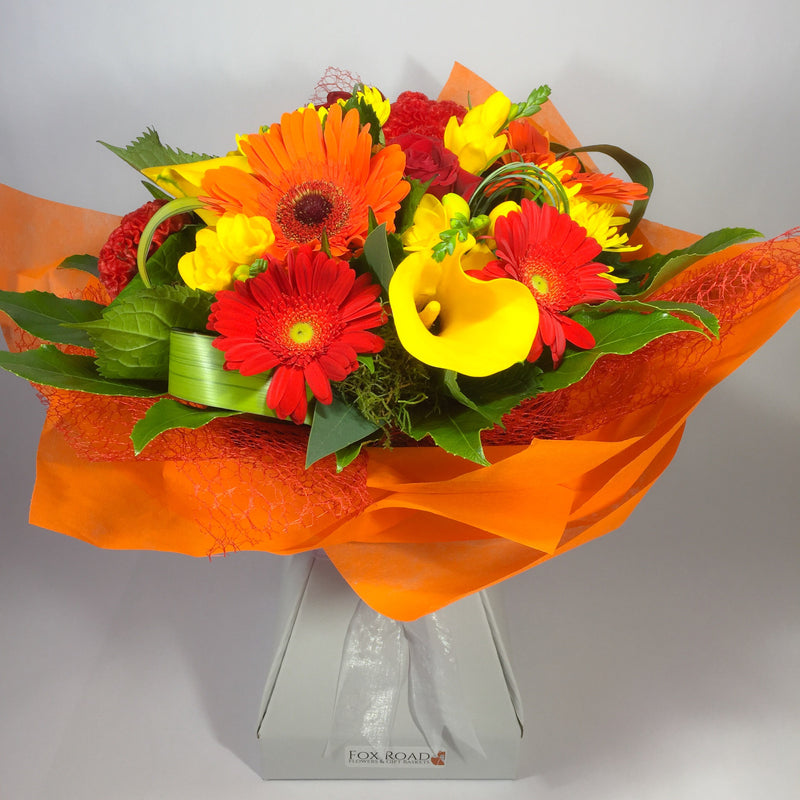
(307, 319)
(552, 255)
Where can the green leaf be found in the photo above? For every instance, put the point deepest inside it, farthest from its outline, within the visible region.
(621, 333)
(456, 430)
(494, 396)
(532, 104)
(197, 373)
(691, 310)
(148, 151)
(379, 259)
(50, 367)
(411, 202)
(347, 455)
(637, 171)
(167, 414)
(162, 266)
(132, 338)
(649, 274)
(367, 116)
(85, 263)
(43, 314)
(156, 192)
(334, 427)
(368, 362)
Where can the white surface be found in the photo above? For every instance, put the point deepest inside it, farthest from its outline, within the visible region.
(658, 662)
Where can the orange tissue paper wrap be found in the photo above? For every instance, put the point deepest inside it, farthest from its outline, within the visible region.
(411, 528)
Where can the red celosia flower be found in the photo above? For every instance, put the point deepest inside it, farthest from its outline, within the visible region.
(552, 255)
(413, 112)
(307, 319)
(117, 260)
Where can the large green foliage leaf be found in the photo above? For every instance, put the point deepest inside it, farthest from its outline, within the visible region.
(477, 404)
(378, 255)
(132, 338)
(648, 274)
(167, 414)
(456, 430)
(147, 150)
(82, 262)
(335, 427)
(623, 332)
(48, 366)
(44, 314)
(494, 396)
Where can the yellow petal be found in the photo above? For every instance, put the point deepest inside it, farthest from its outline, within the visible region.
(243, 238)
(482, 327)
(431, 218)
(475, 140)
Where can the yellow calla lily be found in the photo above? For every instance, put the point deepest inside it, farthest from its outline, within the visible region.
(475, 140)
(184, 180)
(449, 320)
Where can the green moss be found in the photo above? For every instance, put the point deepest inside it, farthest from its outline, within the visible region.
(399, 383)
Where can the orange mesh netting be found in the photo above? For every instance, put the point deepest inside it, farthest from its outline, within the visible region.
(411, 528)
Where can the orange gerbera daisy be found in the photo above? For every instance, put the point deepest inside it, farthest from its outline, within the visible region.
(309, 181)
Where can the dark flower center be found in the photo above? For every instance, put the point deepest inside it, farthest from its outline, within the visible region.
(312, 209)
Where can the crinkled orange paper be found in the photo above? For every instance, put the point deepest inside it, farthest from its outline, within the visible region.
(411, 529)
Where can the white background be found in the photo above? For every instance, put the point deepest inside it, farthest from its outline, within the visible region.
(658, 662)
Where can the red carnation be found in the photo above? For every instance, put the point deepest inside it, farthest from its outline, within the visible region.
(307, 319)
(413, 112)
(117, 260)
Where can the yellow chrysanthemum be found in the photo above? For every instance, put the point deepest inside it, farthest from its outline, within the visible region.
(376, 101)
(475, 140)
(601, 223)
(449, 320)
(219, 252)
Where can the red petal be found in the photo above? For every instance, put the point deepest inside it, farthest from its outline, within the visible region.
(318, 382)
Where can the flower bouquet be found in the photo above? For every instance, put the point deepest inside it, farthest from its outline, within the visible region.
(428, 337)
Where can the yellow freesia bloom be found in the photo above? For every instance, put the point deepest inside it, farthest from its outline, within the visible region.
(219, 252)
(431, 218)
(449, 320)
(475, 140)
